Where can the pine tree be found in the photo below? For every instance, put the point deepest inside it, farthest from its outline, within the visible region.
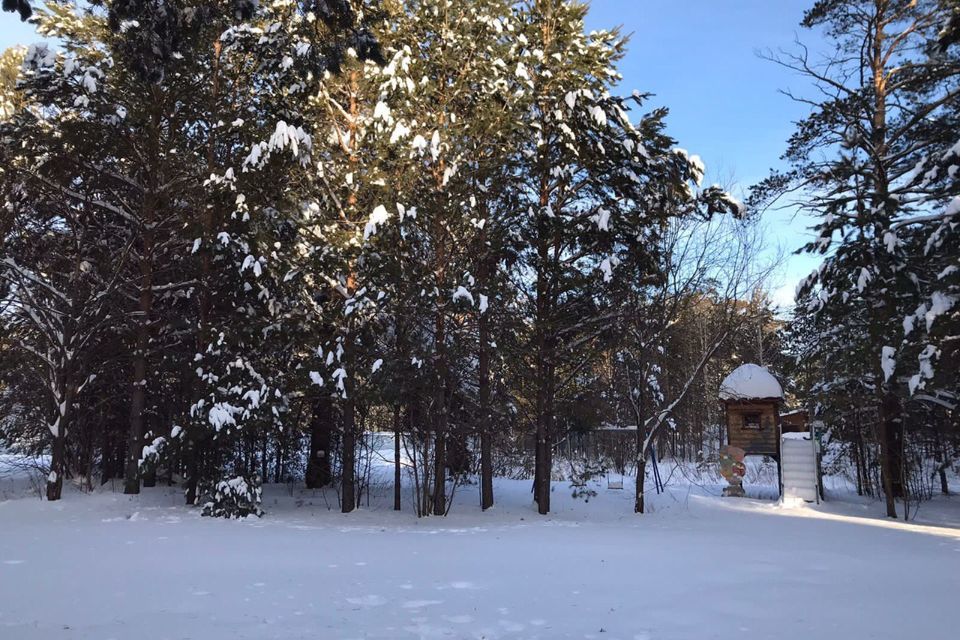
(457, 127)
(268, 74)
(61, 268)
(884, 108)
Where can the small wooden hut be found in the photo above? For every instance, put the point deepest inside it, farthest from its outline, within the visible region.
(752, 398)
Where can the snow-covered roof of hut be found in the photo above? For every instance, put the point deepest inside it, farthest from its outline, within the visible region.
(750, 382)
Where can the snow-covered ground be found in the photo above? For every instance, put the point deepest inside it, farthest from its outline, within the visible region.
(105, 565)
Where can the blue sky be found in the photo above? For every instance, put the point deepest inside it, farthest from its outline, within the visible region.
(699, 58)
(12, 31)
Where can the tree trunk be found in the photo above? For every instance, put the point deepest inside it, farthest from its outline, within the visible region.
(397, 427)
(891, 443)
(641, 457)
(319, 473)
(943, 461)
(542, 469)
(265, 457)
(348, 481)
(209, 216)
(426, 501)
(638, 504)
(891, 425)
(548, 466)
(442, 408)
(545, 382)
(440, 470)
(858, 463)
(58, 453)
(149, 473)
(131, 482)
(541, 490)
(119, 456)
(486, 471)
(486, 265)
(192, 455)
(107, 459)
(278, 468)
(864, 454)
(348, 457)
(348, 415)
(544, 459)
(145, 231)
(486, 455)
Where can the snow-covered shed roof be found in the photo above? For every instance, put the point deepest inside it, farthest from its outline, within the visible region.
(750, 382)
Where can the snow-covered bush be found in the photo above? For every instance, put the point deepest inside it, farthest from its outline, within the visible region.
(582, 476)
(237, 497)
(150, 455)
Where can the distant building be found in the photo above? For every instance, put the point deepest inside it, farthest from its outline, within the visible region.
(795, 421)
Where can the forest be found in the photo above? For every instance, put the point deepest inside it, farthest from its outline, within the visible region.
(240, 240)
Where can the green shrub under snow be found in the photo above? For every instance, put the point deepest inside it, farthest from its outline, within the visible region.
(237, 497)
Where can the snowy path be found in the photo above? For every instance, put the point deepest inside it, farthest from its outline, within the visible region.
(107, 566)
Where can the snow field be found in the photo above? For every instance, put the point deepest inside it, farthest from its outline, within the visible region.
(105, 565)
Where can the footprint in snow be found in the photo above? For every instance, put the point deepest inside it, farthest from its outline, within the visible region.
(459, 619)
(426, 630)
(368, 601)
(419, 604)
(14, 561)
(461, 585)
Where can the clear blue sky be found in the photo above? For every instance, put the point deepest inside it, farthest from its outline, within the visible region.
(12, 31)
(700, 59)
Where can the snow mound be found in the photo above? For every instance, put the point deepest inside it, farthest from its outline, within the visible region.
(750, 382)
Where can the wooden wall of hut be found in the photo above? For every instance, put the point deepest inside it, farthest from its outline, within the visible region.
(752, 426)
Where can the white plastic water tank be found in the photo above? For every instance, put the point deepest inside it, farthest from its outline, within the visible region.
(798, 460)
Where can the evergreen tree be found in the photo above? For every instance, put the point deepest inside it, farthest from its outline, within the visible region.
(885, 107)
(458, 124)
(59, 264)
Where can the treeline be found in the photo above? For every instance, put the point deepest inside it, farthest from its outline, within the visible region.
(877, 164)
(230, 228)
